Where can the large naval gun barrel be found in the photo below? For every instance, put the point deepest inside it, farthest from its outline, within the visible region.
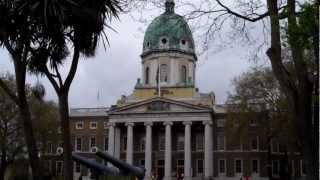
(96, 167)
(125, 168)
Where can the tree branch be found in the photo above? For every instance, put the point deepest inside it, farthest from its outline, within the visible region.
(258, 16)
(58, 75)
(51, 79)
(73, 68)
(10, 49)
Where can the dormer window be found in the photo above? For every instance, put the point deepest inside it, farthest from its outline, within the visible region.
(184, 44)
(164, 41)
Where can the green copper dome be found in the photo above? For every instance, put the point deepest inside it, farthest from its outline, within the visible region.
(168, 32)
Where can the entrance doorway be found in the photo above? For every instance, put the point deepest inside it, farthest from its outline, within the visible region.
(180, 169)
(160, 169)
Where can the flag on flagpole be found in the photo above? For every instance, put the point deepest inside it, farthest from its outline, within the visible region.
(98, 97)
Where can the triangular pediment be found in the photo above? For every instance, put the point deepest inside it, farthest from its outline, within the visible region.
(159, 104)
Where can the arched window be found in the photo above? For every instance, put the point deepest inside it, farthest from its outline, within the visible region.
(183, 74)
(163, 73)
(147, 75)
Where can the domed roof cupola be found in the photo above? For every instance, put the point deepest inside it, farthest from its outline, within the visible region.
(168, 32)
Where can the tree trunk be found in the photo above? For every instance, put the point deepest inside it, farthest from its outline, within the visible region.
(300, 96)
(25, 119)
(302, 106)
(65, 125)
(307, 137)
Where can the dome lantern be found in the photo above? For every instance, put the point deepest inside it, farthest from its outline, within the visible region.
(169, 6)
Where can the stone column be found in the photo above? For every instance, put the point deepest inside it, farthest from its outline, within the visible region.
(111, 144)
(208, 151)
(167, 160)
(129, 142)
(117, 140)
(187, 150)
(148, 150)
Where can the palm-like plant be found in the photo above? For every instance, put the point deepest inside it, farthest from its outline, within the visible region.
(17, 34)
(63, 24)
(39, 34)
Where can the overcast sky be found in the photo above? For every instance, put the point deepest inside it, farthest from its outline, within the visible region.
(114, 71)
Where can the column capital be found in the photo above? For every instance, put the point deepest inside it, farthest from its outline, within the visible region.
(187, 122)
(207, 122)
(129, 124)
(148, 123)
(169, 123)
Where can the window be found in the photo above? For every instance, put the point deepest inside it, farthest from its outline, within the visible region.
(78, 144)
(183, 74)
(275, 167)
(222, 166)
(123, 145)
(254, 144)
(77, 167)
(253, 122)
(180, 142)
(93, 125)
(59, 130)
(162, 143)
(199, 166)
(220, 122)
(282, 148)
(255, 166)
(59, 167)
(220, 142)
(142, 144)
(93, 142)
(147, 75)
(50, 148)
(199, 142)
(79, 125)
(238, 166)
(106, 143)
(274, 146)
(163, 73)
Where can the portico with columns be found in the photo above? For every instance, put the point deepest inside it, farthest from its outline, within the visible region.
(143, 129)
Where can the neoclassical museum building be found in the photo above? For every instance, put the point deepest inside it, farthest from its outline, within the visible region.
(167, 125)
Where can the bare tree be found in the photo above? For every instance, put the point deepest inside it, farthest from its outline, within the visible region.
(257, 107)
